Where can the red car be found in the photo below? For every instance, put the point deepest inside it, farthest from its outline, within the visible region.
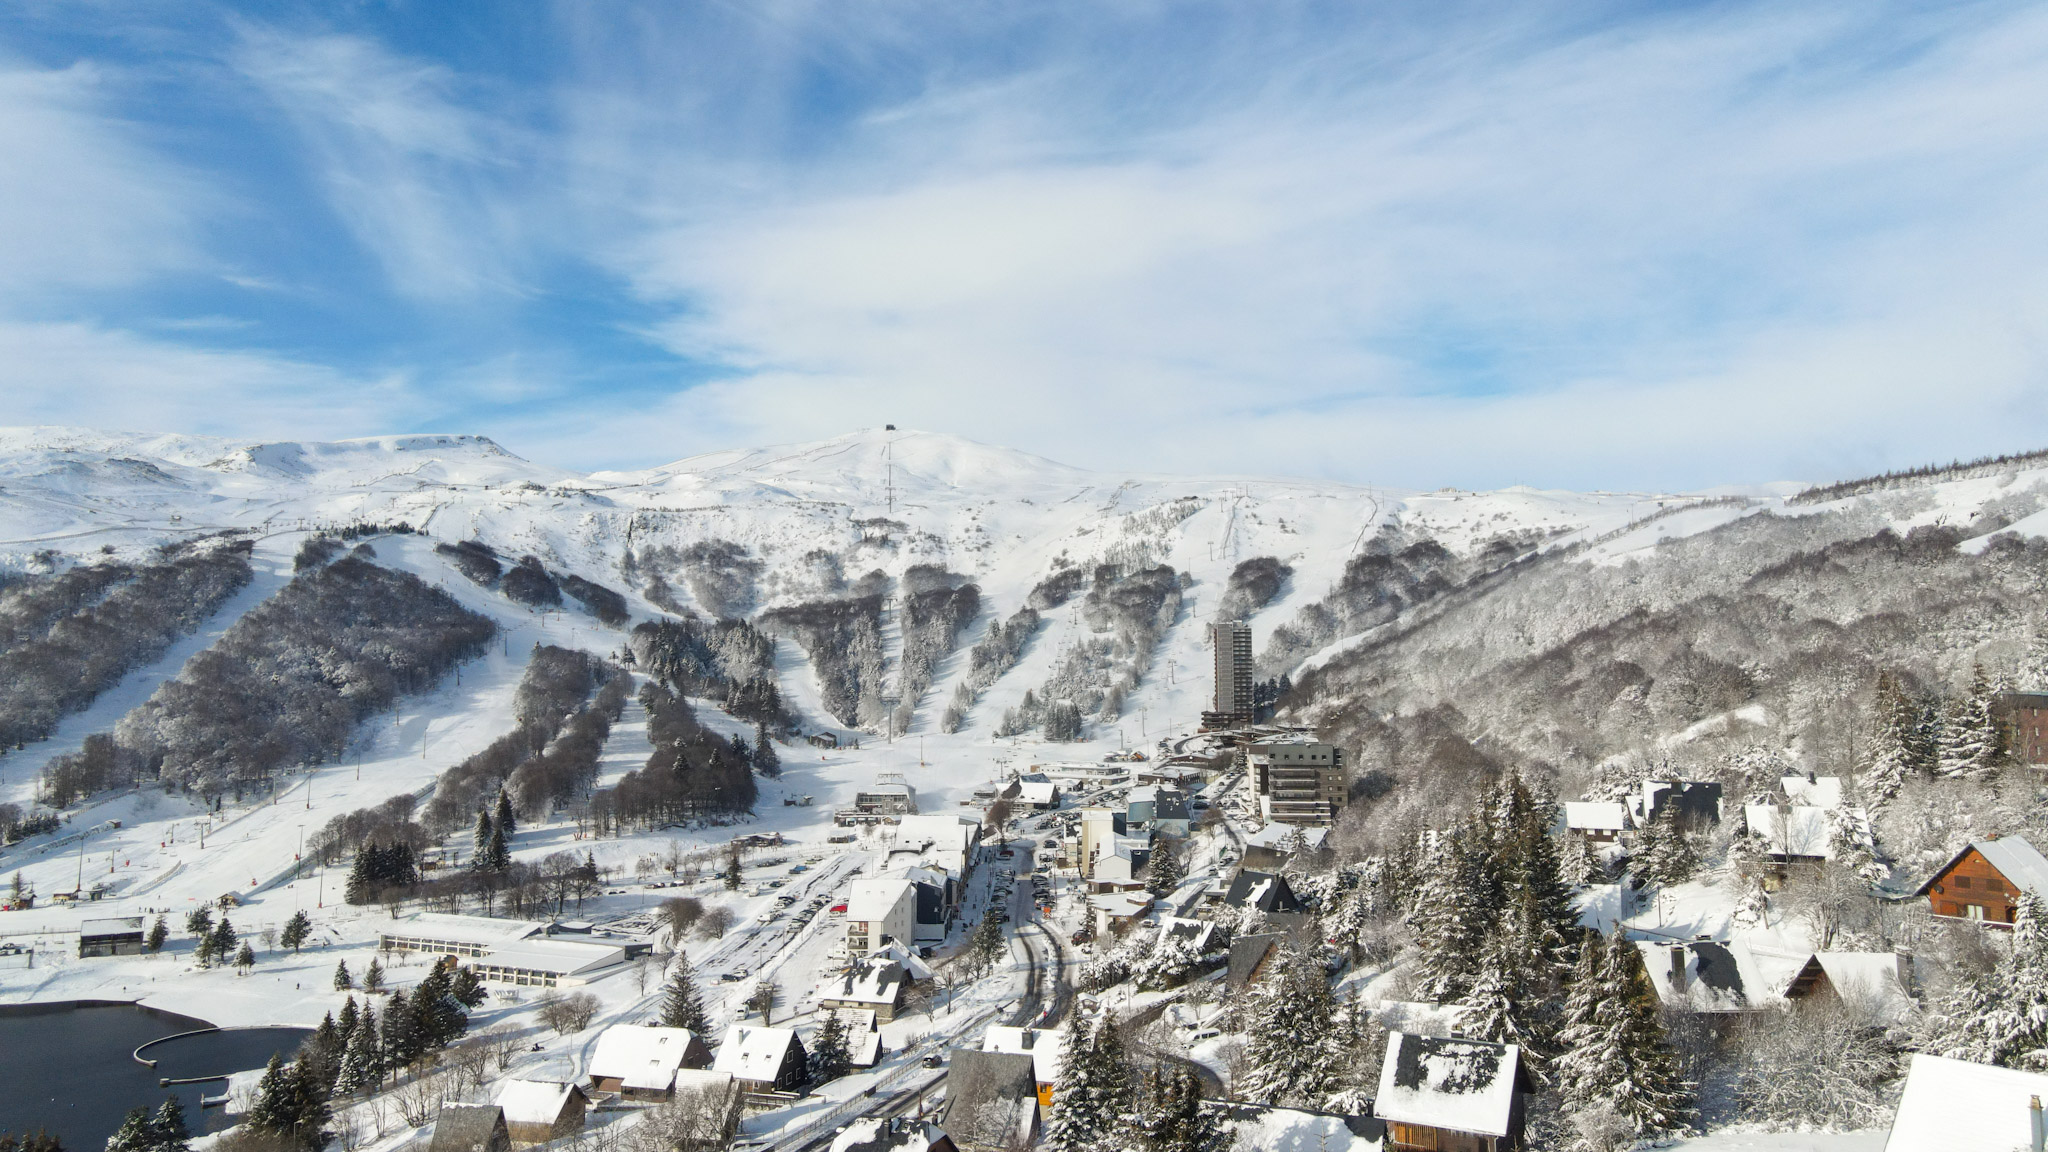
(838, 908)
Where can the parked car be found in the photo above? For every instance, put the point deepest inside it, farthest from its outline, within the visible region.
(839, 908)
(934, 1061)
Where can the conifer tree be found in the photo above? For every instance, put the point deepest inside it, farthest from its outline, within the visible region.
(829, 1057)
(766, 762)
(310, 1110)
(1614, 1054)
(1663, 855)
(401, 1032)
(345, 1024)
(1093, 1096)
(342, 980)
(245, 959)
(504, 821)
(327, 1037)
(158, 934)
(1294, 1050)
(1496, 1007)
(296, 930)
(274, 1109)
(1888, 760)
(681, 1004)
(480, 841)
(1970, 743)
(225, 938)
(466, 988)
(1445, 915)
(1163, 870)
(199, 922)
(169, 1125)
(373, 976)
(136, 1134)
(2002, 1018)
(1171, 1118)
(361, 1062)
(497, 854)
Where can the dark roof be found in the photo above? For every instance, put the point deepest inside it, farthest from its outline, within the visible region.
(977, 1078)
(1274, 896)
(1247, 953)
(469, 1128)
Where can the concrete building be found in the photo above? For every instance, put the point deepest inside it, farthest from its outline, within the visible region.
(448, 935)
(2024, 716)
(880, 909)
(1298, 781)
(113, 936)
(1230, 704)
(548, 963)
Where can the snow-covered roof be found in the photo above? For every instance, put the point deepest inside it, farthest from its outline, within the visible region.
(874, 898)
(110, 926)
(1196, 932)
(912, 965)
(1143, 794)
(2015, 858)
(1870, 978)
(1956, 1106)
(1463, 1085)
(751, 1053)
(557, 957)
(641, 1056)
(1037, 791)
(534, 1101)
(940, 829)
(1275, 836)
(1043, 1045)
(1121, 903)
(867, 982)
(878, 1134)
(1799, 830)
(1704, 975)
(1818, 792)
(481, 931)
(1595, 816)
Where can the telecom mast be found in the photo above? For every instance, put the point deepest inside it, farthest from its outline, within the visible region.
(889, 464)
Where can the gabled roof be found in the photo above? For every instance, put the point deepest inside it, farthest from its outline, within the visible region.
(2015, 859)
(876, 1134)
(873, 898)
(1595, 816)
(1797, 830)
(754, 1053)
(1276, 835)
(1871, 977)
(1954, 1104)
(977, 1079)
(534, 1101)
(468, 1127)
(913, 966)
(868, 981)
(1267, 891)
(1463, 1085)
(1247, 953)
(1717, 977)
(1818, 792)
(1045, 1046)
(641, 1056)
(1196, 932)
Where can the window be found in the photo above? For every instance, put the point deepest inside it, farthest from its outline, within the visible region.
(1962, 881)
(1974, 911)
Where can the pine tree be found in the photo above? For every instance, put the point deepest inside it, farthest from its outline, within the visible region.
(497, 855)
(136, 1134)
(361, 887)
(1663, 855)
(1495, 1006)
(158, 934)
(1294, 1049)
(2002, 1018)
(681, 1005)
(361, 1064)
(245, 959)
(327, 1037)
(296, 930)
(1615, 1057)
(766, 762)
(438, 1018)
(1163, 871)
(342, 980)
(1447, 911)
(224, 939)
(1889, 758)
(345, 1024)
(504, 821)
(480, 841)
(373, 976)
(401, 1032)
(466, 988)
(1171, 1117)
(1093, 1095)
(274, 1109)
(168, 1127)
(829, 1057)
(310, 1110)
(986, 945)
(199, 922)
(1971, 743)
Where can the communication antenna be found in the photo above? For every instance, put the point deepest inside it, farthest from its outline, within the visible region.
(889, 462)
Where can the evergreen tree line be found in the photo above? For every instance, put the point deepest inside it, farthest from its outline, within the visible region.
(730, 660)
(162, 1130)
(1104, 1100)
(288, 682)
(1924, 474)
(567, 767)
(694, 774)
(1252, 585)
(1129, 608)
(64, 642)
(936, 605)
(843, 639)
(1004, 643)
(16, 826)
(388, 823)
(1926, 737)
(379, 869)
(552, 690)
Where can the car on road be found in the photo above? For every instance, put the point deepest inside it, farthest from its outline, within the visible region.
(934, 1060)
(1050, 844)
(839, 908)
(730, 977)
(1204, 1034)
(766, 917)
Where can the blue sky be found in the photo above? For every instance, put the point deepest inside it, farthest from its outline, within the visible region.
(1590, 245)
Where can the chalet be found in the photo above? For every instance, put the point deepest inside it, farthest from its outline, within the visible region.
(1598, 822)
(1794, 835)
(1879, 981)
(869, 984)
(1043, 1045)
(892, 1134)
(1251, 958)
(114, 936)
(1984, 881)
(1034, 791)
(1269, 893)
(640, 1061)
(1812, 791)
(991, 1100)
(1697, 802)
(1200, 933)
(863, 1036)
(537, 1111)
(1704, 976)
(1948, 1105)
(470, 1128)
(822, 740)
(880, 910)
(763, 1059)
(2024, 716)
(1443, 1095)
(1274, 845)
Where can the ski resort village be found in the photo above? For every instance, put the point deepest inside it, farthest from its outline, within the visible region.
(899, 792)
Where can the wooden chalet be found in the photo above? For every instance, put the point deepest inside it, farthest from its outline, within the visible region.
(537, 1111)
(1444, 1095)
(470, 1128)
(640, 1062)
(1983, 882)
(763, 1060)
(991, 1100)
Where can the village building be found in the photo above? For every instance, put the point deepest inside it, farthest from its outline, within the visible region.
(1598, 822)
(1879, 982)
(1035, 792)
(445, 934)
(470, 1128)
(1443, 1095)
(1043, 1045)
(548, 963)
(1121, 868)
(2024, 718)
(892, 1134)
(946, 840)
(1697, 803)
(1949, 1105)
(537, 1111)
(822, 740)
(1200, 933)
(1709, 977)
(1111, 911)
(1299, 781)
(1794, 835)
(1251, 958)
(863, 1036)
(1269, 893)
(991, 1100)
(1158, 810)
(1271, 847)
(1230, 704)
(879, 910)
(763, 1059)
(640, 1061)
(111, 936)
(868, 983)
(1983, 882)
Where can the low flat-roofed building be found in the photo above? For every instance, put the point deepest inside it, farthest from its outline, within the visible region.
(547, 963)
(450, 935)
(111, 936)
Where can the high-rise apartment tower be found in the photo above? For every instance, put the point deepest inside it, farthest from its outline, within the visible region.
(1232, 704)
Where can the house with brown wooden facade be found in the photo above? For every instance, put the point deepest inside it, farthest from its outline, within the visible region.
(1438, 1094)
(1984, 881)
